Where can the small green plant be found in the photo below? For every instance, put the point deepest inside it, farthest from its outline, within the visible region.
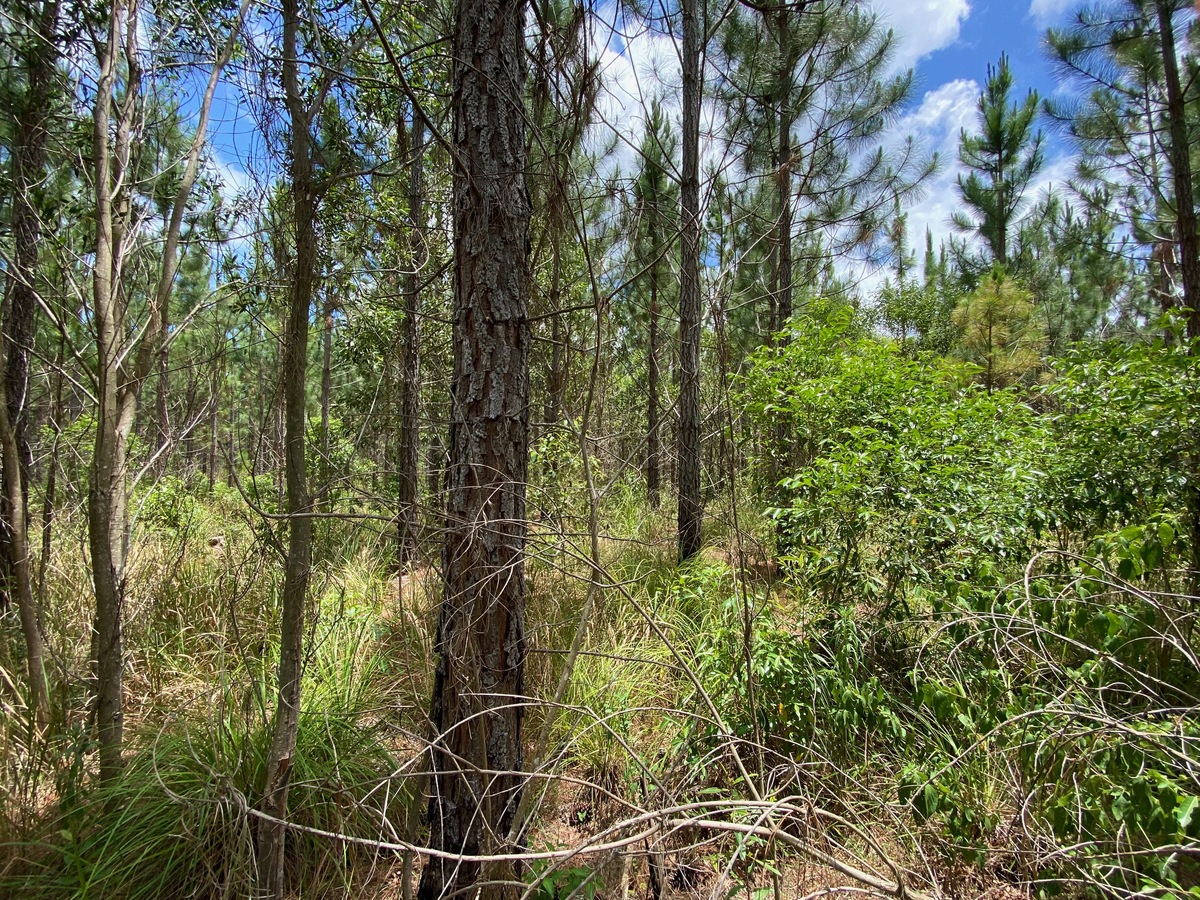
(549, 882)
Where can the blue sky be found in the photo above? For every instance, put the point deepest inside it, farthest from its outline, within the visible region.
(989, 28)
(950, 43)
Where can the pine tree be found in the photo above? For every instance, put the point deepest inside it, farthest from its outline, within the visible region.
(1003, 158)
(654, 198)
(1133, 127)
(1000, 331)
(479, 681)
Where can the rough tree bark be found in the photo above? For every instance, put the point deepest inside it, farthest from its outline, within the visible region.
(272, 834)
(690, 505)
(1181, 170)
(479, 679)
(37, 53)
(410, 376)
(1187, 238)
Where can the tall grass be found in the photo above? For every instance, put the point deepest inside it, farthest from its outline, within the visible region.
(176, 824)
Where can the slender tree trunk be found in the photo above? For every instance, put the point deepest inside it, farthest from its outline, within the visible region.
(554, 393)
(231, 443)
(271, 834)
(327, 473)
(21, 574)
(38, 53)
(49, 500)
(477, 756)
(782, 455)
(783, 270)
(326, 371)
(410, 379)
(690, 504)
(1181, 170)
(214, 425)
(118, 381)
(106, 490)
(653, 462)
(162, 387)
(433, 471)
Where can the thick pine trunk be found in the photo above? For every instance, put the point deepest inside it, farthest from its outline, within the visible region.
(39, 54)
(690, 507)
(479, 679)
(286, 723)
(1181, 170)
(410, 377)
(1189, 242)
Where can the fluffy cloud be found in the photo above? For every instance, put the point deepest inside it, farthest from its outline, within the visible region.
(923, 26)
(937, 123)
(1045, 12)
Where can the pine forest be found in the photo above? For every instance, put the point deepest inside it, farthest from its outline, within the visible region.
(562, 450)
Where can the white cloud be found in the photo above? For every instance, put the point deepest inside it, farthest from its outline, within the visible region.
(639, 65)
(1045, 12)
(234, 178)
(936, 124)
(923, 26)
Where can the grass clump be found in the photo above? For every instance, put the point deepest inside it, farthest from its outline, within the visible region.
(177, 823)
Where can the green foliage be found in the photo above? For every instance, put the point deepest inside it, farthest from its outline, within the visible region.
(1007, 547)
(558, 488)
(817, 690)
(1002, 159)
(999, 331)
(908, 479)
(550, 882)
(918, 316)
(175, 823)
(1138, 399)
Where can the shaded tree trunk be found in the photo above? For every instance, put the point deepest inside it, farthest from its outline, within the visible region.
(21, 574)
(50, 498)
(38, 54)
(479, 679)
(1181, 170)
(653, 461)
(690, 503)
(783, 269)
(782, 289)
(410, 378)
(554, 392)
(286, 723)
